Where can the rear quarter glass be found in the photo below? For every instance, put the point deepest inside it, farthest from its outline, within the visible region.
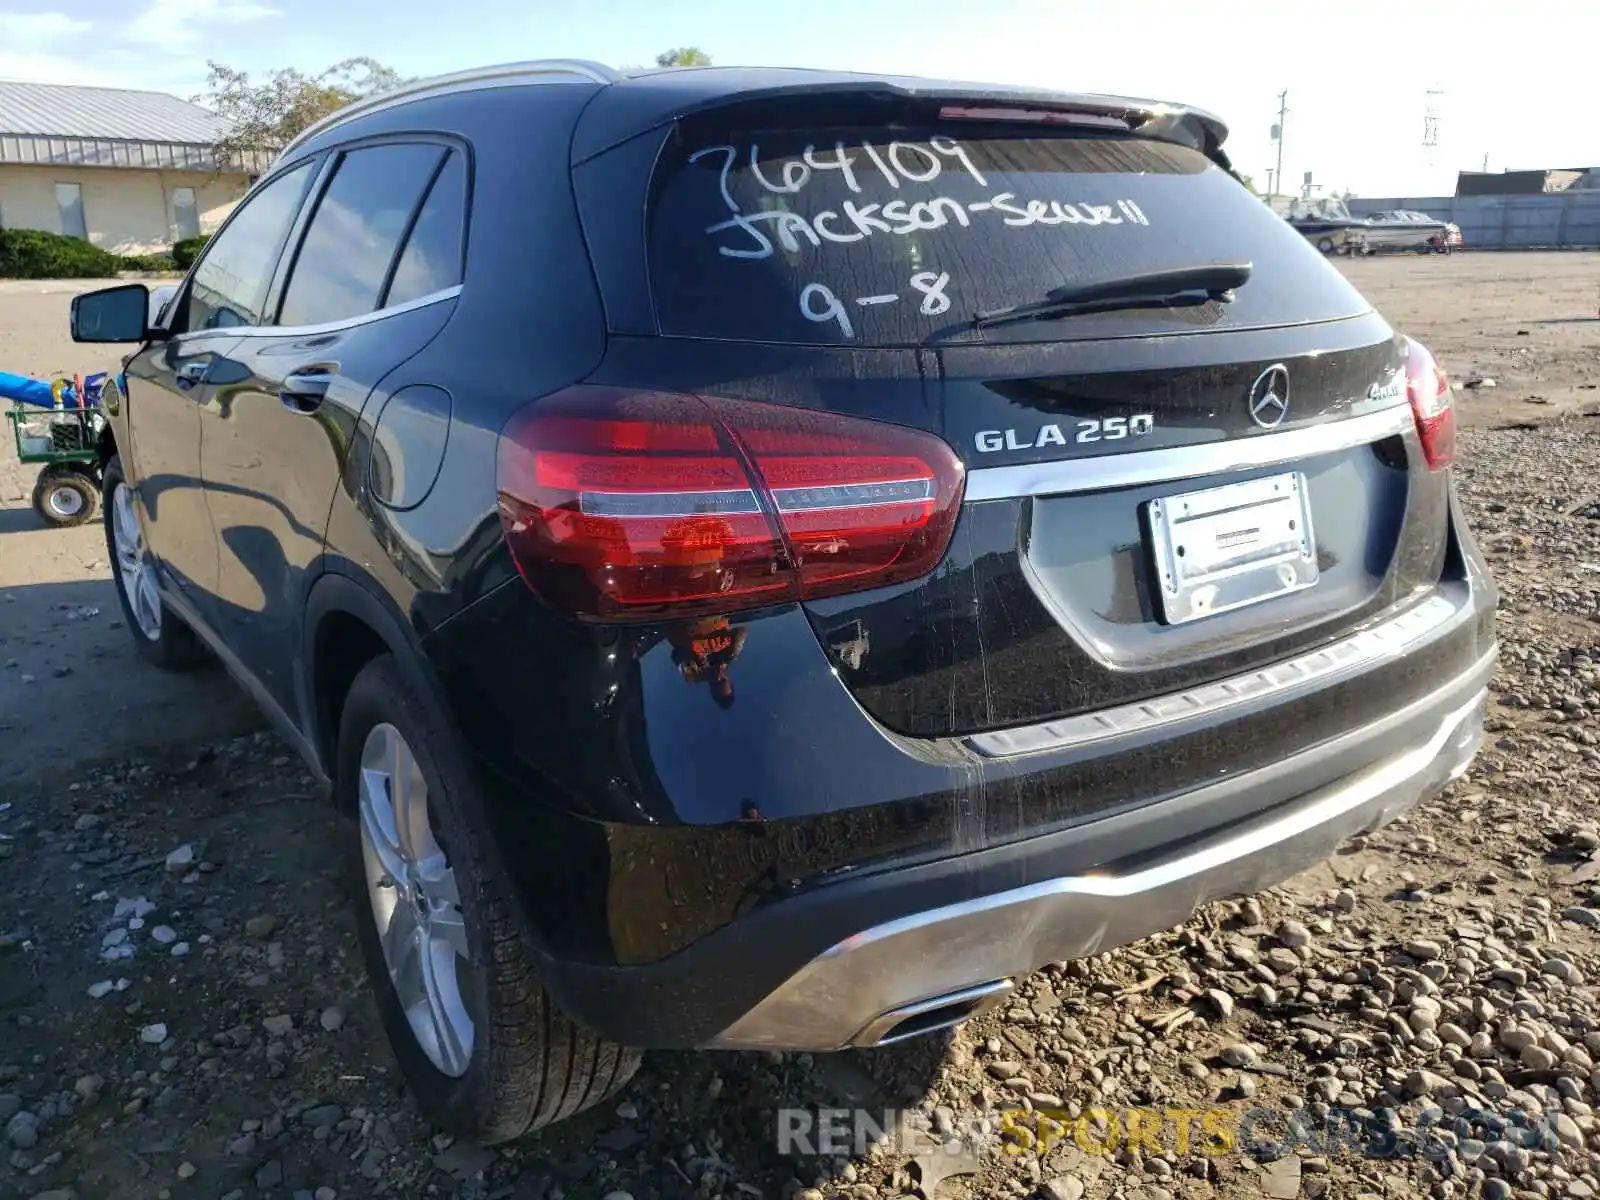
(862, 236)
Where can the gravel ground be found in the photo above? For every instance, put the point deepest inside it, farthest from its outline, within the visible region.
(182, 1011)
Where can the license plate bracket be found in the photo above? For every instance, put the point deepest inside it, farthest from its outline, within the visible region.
(1222, 548)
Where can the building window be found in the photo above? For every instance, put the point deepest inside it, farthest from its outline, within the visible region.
(184, 213)
(69, 204)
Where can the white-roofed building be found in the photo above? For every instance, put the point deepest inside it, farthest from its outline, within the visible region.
(132, 172)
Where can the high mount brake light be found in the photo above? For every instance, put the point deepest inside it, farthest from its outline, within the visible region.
(1428, 389)
(621, 505)
(1033, 116)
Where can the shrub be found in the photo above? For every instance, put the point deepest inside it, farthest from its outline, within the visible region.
(35, 254)
(147, 262)
(186, 251)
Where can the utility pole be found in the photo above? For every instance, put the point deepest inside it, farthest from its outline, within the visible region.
(1277, 130)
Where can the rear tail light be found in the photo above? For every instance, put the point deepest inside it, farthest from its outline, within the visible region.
(1428, 388)
(619, 504)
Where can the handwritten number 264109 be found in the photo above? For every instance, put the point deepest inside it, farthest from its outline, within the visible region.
(819, 304)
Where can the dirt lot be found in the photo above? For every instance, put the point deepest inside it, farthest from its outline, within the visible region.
(1529, 322)
(202, 1030)
(71, 684)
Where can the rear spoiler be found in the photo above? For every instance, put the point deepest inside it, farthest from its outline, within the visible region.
(648, 100)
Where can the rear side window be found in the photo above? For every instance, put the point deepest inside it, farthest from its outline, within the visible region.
(867, 237)
(431, 260)
(350, 243)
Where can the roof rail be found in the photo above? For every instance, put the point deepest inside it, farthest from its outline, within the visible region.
(574, 68)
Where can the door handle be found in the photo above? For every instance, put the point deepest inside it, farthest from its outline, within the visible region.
(304, 391)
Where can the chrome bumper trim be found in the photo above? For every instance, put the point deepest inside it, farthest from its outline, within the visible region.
(843, 993)
(1132, 468)
(1356, 653)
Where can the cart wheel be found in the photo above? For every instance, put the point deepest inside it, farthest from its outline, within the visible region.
(65, 496)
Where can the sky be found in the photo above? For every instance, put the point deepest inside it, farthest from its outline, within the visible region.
(1513, 82)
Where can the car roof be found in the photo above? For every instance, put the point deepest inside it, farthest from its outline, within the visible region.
(629, 103)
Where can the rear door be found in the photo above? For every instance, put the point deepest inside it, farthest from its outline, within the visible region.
(844, 266)
(371, 279)
(169, 382)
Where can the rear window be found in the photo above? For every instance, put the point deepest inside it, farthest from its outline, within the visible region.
(868, 237)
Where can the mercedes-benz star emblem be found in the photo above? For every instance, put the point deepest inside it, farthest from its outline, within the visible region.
(1269, 397)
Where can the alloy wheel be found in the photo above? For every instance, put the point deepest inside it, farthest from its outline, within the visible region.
(135, 568)
(416, 904)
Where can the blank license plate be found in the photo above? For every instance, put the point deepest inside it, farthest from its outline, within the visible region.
(1225, 547)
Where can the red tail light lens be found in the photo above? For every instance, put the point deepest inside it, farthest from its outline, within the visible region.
(1432, 405)
(620, 505)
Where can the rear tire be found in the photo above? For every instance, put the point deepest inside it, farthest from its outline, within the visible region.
(65, 496)
(160, 634)
(1325, 245)
(482, 1045)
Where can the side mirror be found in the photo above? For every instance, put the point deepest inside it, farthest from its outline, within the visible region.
(115, 314)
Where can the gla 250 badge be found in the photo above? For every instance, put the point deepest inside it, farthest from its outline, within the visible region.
(1108, 429)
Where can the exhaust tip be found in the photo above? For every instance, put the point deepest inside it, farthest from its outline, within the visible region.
(930, 1015)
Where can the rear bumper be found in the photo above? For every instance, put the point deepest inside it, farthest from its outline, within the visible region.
(862, 960)
(939, 966)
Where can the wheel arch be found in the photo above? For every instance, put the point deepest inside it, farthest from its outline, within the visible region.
(349, 621)
(105, 446)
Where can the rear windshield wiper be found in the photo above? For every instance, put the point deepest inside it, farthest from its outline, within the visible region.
(1206, 281)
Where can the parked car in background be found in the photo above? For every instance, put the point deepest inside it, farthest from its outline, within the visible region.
(766, 558)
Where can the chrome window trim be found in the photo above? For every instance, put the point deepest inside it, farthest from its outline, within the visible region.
(1068, 476)
(1348, 656)
(551, 70)
(378, 314)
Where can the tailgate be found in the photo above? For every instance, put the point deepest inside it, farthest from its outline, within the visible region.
(1051, 600)
(835, 255)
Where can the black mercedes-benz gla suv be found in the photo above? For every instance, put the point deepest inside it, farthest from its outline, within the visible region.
(765, 558)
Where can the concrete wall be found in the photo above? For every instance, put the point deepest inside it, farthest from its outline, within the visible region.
(1549, 220)
(127, 211)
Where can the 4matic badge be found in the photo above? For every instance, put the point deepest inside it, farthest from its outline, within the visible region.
(1391, 388)
(1107, 429)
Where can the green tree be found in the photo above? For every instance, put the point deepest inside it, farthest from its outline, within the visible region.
(684, 56)
(265, 117)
